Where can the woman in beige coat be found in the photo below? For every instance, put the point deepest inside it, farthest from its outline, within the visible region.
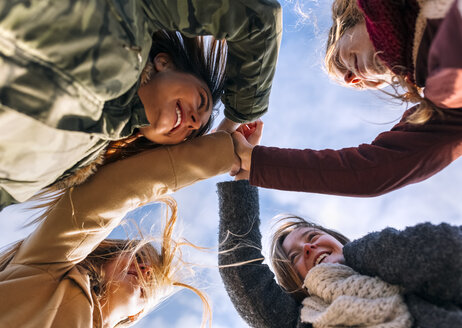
(65, 274)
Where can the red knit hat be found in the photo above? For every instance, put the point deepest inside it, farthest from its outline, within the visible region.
(391, 27)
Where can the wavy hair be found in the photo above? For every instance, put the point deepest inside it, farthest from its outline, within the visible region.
(167, 270)
(285, 273)
(345, 15)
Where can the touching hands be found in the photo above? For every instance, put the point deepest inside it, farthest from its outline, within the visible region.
(227, 125)
(246, 137)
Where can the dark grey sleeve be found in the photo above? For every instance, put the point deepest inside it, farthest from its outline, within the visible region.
(257, 297)
(425, 259)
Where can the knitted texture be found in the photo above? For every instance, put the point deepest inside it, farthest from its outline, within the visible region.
(396, 27)
(424, 260)
(342, 297)
(391, 24)
(258, 299)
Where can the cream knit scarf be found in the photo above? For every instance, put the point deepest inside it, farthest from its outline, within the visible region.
(341, 297)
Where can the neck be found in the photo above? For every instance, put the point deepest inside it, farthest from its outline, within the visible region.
(110, 315)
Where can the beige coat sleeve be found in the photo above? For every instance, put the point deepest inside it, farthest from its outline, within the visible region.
(88, 213)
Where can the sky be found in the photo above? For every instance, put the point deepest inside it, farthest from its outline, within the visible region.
(307, 110)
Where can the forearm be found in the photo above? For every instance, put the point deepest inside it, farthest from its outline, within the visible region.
(251, 287)
(424, 259)
(86, 214)
(406, 154)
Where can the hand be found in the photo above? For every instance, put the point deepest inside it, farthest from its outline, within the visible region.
(252, 131)
(243, 146)
(242, 175)
(227, 125)
(236, 166)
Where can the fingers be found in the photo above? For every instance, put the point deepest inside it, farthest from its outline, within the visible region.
(252, 131)
(236, 167)
(242, 175)
(243, 149)
(255, 138)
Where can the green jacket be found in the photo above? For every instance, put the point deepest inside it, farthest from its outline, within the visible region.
(74, 65)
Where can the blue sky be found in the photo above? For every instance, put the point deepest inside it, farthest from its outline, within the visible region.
(307, 110)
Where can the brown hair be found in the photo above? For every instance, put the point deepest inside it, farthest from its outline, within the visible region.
(345, 15)
(167, 270)
(285, 273)
(205, 58)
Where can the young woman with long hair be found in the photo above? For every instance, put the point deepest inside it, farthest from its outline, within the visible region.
(408, 44)
(65, 273)
(77, 76)
(178, 92)
(408, 278)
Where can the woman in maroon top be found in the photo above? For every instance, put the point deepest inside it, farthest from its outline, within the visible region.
(415, 45)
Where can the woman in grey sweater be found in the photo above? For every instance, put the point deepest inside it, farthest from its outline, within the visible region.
(423, 260)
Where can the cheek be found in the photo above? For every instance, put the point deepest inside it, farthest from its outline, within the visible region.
(301, 269)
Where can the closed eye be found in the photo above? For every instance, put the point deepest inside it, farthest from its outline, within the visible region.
(312, 235)
(201, 105)
(292, 257)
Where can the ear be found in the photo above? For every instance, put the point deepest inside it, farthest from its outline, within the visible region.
(163, 62)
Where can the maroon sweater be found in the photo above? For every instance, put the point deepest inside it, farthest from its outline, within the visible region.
(406, 154)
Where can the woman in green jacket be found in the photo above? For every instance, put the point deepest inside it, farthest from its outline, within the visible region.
(69, 67)
(65, 274)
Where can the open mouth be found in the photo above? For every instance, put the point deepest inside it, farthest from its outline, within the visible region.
(320, 258)
(179, 116)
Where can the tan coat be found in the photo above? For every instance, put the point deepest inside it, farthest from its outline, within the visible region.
(42, 287)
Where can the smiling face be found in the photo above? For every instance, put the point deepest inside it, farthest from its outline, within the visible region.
(124, 295)
(177, 104)
(359, 64)
(306, 247)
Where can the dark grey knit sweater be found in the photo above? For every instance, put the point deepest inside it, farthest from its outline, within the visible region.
(426, 260)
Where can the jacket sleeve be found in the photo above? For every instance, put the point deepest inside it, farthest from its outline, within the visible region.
(86, 214)
(252, 29)
(404, 155)
(424, 259)
(258, 299)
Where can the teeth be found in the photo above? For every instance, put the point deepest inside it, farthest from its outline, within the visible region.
(178, 115)
(320, 258)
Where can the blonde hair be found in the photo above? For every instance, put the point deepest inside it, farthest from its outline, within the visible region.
(285, 273)
(345, 15)
(167, 270)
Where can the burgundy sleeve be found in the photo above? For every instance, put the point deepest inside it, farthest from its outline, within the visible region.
(406, 154)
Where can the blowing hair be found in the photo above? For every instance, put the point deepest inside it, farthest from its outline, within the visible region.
(285, 273)
(166, 267)
(204, 58)
(345, 15)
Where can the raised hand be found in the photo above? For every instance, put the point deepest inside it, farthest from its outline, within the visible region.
(246, 137)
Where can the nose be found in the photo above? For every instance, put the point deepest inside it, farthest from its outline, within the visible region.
(351, 78)
(194, 120)
(307, 248)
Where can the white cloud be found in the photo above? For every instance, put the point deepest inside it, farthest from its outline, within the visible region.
(307, 111)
